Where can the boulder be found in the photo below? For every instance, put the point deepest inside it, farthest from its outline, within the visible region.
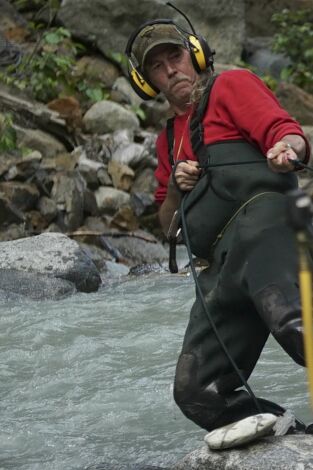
(97, 69)
(68, 194)
(29, 265)
(109, 200)
(107, 116)
(280, 453)
(109, 26)
(296, 101)
(37, 139)
(122, 175)
(138, 248)
(131, 155)
(43, 258)
(123, 92)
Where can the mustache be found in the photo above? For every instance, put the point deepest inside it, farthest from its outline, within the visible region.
(179, 78)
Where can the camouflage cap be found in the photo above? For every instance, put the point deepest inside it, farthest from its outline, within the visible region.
(154, 35)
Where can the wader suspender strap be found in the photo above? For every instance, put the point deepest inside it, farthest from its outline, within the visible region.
(196, 126)
(170, 139)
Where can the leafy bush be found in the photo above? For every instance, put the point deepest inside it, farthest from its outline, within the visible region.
(295, 40)
(7, 133)
(50, 72)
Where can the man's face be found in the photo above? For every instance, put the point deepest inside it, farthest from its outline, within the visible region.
(170, 69)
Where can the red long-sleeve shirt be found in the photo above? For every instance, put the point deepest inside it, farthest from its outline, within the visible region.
(240, 107)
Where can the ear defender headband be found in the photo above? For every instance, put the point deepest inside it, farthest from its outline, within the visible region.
(200, 53)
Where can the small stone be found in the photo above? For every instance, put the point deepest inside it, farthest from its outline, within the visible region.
(241, 432)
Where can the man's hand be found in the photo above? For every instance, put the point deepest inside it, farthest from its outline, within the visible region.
(187, 174)
(278, 157)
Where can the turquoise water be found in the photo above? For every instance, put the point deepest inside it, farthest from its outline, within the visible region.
(88, 379)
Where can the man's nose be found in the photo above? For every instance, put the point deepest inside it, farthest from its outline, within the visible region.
(170, 69)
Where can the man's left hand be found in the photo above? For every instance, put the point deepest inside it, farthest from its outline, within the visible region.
(278, 157)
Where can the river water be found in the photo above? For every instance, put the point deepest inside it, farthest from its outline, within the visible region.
(88, 379)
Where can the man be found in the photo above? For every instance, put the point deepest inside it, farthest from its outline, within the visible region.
(237, 220)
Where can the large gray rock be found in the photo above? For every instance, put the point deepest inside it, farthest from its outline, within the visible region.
(107, 116)
(279, 453)
(68, 195)
(109, 24)
(37, 266)
(39, 140)
(138, 248)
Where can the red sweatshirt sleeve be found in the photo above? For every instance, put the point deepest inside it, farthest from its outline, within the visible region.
(242, 100)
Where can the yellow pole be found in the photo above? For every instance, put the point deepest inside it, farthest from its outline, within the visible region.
(305, 280)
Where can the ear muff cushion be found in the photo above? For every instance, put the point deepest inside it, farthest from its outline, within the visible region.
(141, 86)
(201, 54)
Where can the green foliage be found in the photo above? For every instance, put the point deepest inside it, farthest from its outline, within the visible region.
(50, 73)
(139, 112)
(7, 133)
(295, 40)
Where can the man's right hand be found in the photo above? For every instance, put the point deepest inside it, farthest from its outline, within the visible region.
(187, 174)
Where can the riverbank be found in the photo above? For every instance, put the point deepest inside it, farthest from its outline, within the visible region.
(82, 162)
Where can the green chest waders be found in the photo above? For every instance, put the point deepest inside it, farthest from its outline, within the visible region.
(242, 284)
(223, 190)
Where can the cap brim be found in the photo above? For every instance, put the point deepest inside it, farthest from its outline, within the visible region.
(176, 42)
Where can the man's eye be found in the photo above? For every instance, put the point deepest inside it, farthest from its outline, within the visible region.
(175, 55)
(155, 66)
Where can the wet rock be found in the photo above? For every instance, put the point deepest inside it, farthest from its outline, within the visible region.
(139, 248)
(282, 453)
(35, 286)
(114, 270)
(99, 256)
(51, 255)
(107, 116)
